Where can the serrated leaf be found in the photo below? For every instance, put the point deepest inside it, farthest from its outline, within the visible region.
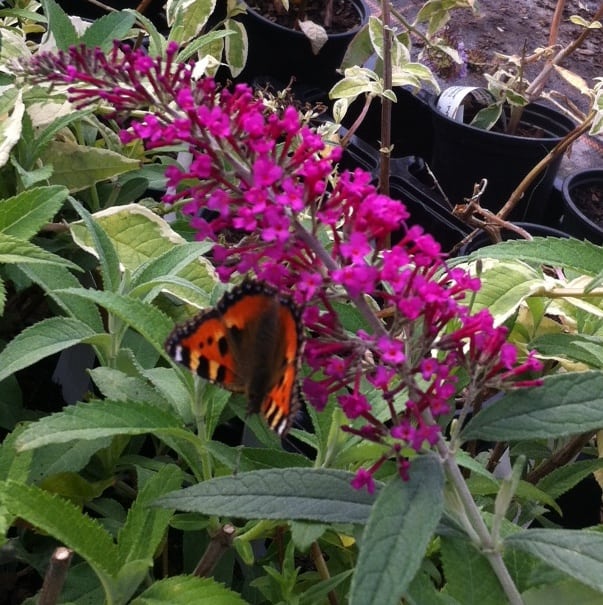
(469, 577)
(106, 29)
(242, 460)
(96, 419)
(563, 479)
(45, 338)
(23, 214)
(151, 323)
(145, 526)
(578, 553)
(171, 386)
(184, 590)
(566, 404)
(402, 522)
(65, 522)
(60, 25)
(61, 458)
(580, 256)
(118, 386)
(51, 277)
(299, 494)
(15, 250)
(78, 167)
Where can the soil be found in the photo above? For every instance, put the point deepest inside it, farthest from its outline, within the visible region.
(589, 200)
(506, 26)
(345, 16)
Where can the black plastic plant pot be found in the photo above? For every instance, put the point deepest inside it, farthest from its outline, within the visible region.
(582, 196)
(535, 230)
(426, 207)
(411, 128)
(284, 53)
(87, 10)
(463, 155)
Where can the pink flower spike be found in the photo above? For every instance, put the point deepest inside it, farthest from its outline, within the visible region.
(364, 478)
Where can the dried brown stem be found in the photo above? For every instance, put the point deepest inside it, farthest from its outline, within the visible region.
(220, 542)
(561, 457)
(55, 576)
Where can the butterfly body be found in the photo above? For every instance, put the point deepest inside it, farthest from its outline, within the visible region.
(251, 343)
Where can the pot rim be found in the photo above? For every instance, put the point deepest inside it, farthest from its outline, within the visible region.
(360, 5)
(535, 108)
(574, 179)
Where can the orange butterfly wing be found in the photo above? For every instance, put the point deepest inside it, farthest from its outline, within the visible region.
(251, 342)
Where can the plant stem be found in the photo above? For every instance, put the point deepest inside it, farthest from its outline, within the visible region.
(220, 542)
(535, 88)
(560, 458)
(559, 149)
(55, 576)
(386, 104)
(323, 570)
(488, 548)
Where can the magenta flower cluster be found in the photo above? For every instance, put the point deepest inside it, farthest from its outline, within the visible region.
(307, 228)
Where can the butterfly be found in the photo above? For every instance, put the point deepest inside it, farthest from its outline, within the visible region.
(251, 342)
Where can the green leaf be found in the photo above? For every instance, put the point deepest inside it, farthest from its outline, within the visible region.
(64, 522)
(505, 286)
(45, 338)
(469, 577)
(242, 460)
(151, 323)
(22, 215)
(581, 256)
(60, 26)
(78, 167)
(189, 19)
(145, 527)
(14, 250)
(171, 262)
(578, 553)
(561, 593)
(51, 277)
(117, 385)
(566, 404)
(185, 590)
(235, 46)
(402, 522)
(563, 479)
(293, 493)
(106, 29)
(103, 248)
(96, 419)
(487, 117)
(157, 42)
(573, 347)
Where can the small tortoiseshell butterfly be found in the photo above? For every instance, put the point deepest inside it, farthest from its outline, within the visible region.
(251, 342)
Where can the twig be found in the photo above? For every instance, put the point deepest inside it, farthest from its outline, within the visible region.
(323, 570)
(55, 576)
(220, 542)
(563, 456)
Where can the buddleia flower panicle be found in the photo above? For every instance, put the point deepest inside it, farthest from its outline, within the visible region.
(310, 229)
